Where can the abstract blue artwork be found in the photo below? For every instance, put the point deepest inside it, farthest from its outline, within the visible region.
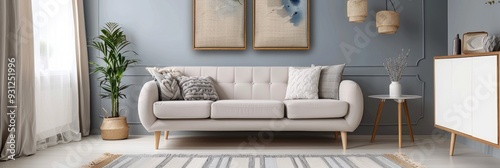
(281, 25)
(295, 10)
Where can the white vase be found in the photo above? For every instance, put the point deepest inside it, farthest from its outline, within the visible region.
(395, 89)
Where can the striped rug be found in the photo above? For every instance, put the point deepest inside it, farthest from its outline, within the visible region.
(252, 161)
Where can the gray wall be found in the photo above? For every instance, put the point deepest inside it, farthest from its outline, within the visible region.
(470, 16)
(161, 32)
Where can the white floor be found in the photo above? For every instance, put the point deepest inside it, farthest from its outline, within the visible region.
(432, 151)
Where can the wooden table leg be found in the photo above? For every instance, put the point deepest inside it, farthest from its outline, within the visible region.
(452, 143)
(400, 104)
(166, 134)
(377, 120)
(408, 120)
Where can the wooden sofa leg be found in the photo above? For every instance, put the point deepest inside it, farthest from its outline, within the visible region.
(343, 135)
(157, 139)
(166, 134)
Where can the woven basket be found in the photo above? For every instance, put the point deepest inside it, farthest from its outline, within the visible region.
(114, 128)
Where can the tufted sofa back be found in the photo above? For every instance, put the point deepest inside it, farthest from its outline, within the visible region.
(250, 83)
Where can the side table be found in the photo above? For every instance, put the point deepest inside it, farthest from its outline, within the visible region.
(401, 100)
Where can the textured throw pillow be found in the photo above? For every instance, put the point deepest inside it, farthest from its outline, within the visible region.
(329, 81)
(172, 71)
(197, 88)
(168, 86)
(303, 83)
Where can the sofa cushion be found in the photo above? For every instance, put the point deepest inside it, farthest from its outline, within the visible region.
(182, 109)
(303, 83)
(248, 109)
(329, 81)
(197, 88)
(167, 84)
(319, 108)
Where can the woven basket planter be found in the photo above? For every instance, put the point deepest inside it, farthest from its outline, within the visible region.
(114, 128)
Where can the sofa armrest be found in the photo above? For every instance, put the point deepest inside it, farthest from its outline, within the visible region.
(147, 97)
(350, 92)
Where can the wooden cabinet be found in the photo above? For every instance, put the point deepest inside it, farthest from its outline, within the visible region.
(466, 96)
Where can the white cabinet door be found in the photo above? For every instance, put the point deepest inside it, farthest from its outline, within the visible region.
(484, 98)
(443, 92)
(461, 99)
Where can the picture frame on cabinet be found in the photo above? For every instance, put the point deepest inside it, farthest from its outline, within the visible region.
(473, 42)
(219, 25)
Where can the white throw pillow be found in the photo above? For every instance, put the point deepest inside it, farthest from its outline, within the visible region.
(303, 83)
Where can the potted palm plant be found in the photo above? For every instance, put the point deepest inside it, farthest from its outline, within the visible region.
(111, 44)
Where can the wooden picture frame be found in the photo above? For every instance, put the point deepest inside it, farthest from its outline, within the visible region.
(208, 34)
(472, 42)
(274, 27)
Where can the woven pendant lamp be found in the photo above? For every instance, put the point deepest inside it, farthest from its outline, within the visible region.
(387, 21)
(357, 10)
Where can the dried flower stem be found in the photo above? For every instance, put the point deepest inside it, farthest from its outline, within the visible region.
(396, 65)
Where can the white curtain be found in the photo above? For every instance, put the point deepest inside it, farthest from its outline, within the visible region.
(56, 73)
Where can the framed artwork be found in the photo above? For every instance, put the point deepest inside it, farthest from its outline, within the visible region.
(219, 24)
(473, 42)
(281, 25)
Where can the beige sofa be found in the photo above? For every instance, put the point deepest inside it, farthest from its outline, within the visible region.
(251, 99)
